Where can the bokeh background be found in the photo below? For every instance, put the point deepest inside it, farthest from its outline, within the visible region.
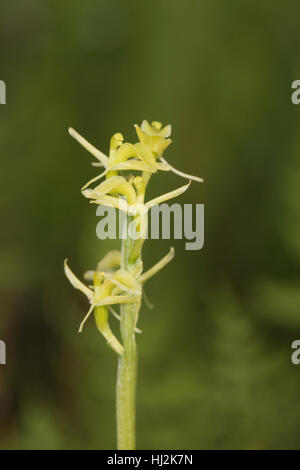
(215, 367)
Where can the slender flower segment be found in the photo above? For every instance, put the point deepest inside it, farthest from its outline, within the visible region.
(89, 147)
(119, 277)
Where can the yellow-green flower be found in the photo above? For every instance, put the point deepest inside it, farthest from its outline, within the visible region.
(113, 285)
(104, 292)
(155, 136)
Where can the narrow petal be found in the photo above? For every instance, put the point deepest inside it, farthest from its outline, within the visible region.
(86, 318)
(97, 164)
(180, 173)
(89, 147)
(166, 131)
(88, 193)
(76, 282)
(147, 301)
(94, 179)
(158, 266)
(146, 127)
(167, 196)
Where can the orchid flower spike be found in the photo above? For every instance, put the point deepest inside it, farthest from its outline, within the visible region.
(119, 277)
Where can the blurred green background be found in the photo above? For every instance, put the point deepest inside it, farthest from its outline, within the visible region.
(215, 365)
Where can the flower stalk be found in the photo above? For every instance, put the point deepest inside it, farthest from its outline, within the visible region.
(119, 278)
(127, 363)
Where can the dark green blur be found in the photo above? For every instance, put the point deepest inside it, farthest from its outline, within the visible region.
(215, 365)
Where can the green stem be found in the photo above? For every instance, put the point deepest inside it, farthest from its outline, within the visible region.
(127, 366)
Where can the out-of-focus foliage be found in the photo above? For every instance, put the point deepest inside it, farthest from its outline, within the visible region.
(220, 375)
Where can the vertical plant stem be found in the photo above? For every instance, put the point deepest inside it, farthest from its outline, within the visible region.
(127, 366)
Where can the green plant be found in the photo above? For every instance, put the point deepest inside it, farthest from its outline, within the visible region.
(119, 276)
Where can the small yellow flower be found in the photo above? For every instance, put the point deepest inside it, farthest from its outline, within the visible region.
(103, 293)
(113, 286)
(154, 136)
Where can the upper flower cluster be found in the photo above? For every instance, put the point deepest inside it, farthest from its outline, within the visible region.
(145, 155)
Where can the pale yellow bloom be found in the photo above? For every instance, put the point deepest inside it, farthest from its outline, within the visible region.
(111, 287)
(154, 136)
(100, 296)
